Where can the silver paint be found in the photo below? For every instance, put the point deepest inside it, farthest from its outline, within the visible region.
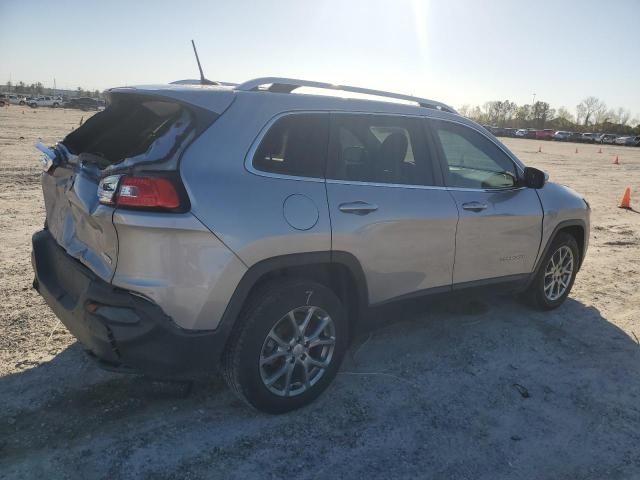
(178, 263)
(407, 238)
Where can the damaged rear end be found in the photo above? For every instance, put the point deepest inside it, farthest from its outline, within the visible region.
(119, 237)
(126, 156)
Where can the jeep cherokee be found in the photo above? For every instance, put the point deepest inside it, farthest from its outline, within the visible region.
(195, 226)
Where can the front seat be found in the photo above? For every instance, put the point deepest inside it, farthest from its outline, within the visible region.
(390, 158)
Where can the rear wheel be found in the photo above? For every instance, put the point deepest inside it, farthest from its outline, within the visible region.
(287, 346)
(557, 273)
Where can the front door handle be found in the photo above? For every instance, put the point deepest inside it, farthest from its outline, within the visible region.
(474, 206)
(357, 208)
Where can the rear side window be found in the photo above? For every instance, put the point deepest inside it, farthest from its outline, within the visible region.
(295, 145)
(473, 161)
(378, 149)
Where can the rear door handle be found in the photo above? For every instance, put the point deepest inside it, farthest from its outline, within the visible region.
(474, 206)
(357, 208)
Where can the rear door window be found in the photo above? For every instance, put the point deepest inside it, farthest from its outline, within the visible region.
(295, 145)
(378, 149)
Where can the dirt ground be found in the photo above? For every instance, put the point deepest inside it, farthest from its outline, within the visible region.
(472, 387)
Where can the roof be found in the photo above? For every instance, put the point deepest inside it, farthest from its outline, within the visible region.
(192, 91)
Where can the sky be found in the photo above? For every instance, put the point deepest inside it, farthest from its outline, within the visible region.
(455, 51)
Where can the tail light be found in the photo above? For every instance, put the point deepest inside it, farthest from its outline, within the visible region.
(139, 192)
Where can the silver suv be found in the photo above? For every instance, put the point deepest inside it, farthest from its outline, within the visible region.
(248, 226)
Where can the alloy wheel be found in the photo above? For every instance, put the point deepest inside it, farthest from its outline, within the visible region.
(297, 351)
(558, 273)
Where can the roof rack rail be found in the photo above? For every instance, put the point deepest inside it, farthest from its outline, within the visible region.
(191, 81)
(287, 85)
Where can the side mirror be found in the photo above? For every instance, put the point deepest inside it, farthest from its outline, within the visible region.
(534, 178)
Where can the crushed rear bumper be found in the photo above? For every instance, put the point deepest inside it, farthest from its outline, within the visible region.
(123, 331)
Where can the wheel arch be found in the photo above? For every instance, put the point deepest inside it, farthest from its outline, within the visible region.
(340, 271)
(576, 228)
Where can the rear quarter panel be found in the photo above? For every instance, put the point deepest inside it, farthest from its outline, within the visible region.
(175, 261)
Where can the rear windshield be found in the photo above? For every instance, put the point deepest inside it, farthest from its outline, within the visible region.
(129, 127)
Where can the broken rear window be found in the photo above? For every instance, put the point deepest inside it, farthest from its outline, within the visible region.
(132, 126)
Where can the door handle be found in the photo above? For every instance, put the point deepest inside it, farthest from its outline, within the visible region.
(474, 206)
(357, 208)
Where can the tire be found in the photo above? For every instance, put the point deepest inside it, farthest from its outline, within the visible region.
(55, 105)
(33, 105)
(21, 102)
(246, 365)
(550, 298)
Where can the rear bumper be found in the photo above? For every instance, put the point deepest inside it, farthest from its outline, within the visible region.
(123, 331)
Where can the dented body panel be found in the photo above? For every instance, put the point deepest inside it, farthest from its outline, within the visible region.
(171, 259)
(175, 261)
(80, 225)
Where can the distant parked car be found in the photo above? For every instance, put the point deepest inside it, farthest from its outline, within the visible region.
(561, 136)
(9, 99)
(587, 137)
(574, 137)
(83, 103)
(497, 131)
(531, 133)
(629, 141)
(16, 99)
(546, 134)
(606, 138)
(521, 132)
(45, 101)
(510, 132)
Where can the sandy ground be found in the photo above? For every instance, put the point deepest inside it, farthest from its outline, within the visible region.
(441, 388)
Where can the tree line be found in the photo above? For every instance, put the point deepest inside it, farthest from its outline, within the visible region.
(592, 115)
(38, 88)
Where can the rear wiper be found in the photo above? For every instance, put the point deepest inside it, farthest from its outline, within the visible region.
(95, 158)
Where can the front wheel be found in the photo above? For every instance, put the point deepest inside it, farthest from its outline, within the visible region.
(287, 346)
(554, 280)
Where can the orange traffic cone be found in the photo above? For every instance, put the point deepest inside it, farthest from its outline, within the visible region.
(576, 149)
(600, 150)
(626, 199)
(616, 162)
(540, 149)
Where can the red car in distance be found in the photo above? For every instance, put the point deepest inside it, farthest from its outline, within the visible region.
(546, 134)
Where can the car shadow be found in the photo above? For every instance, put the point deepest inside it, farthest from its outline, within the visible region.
(437, 386)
